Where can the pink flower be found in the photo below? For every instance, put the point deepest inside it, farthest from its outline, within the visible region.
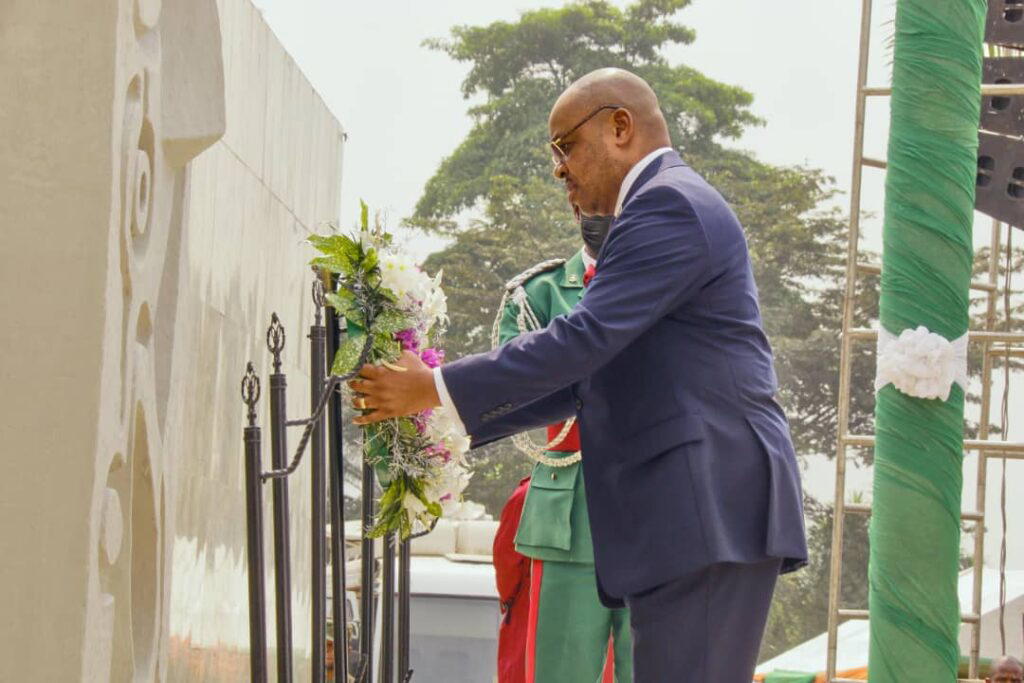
(432, 357)
(421, 420)
(410, 340)
(441, 452)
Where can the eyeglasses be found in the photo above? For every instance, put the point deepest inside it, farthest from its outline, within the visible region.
(558, 152)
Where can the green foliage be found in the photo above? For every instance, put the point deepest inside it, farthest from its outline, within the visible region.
(800, 608)
(500, 177)
(347, 356)
(503, 170)
(519, 68)
(392, 507)
(520, 226)
(404, 457)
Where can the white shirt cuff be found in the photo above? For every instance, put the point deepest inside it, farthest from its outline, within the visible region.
(446, 400)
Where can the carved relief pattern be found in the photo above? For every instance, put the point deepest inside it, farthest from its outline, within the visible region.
(128, 587)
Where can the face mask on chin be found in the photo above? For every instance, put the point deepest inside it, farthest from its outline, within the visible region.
(595, 230)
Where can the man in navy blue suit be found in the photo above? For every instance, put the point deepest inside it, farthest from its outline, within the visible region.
(692, 484)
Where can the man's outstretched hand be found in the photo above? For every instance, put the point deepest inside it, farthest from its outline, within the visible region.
(383, 392)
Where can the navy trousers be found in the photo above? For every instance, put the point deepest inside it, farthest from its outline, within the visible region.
(705, 627)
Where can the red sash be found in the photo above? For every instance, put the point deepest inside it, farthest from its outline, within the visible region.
(571, 442)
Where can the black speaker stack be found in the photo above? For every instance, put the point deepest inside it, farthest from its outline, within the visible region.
(1000, 181)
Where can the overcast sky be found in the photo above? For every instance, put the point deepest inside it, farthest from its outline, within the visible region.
(401, 105)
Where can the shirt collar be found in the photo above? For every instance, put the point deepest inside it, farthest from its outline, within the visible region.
(634, 173)
(588, 260)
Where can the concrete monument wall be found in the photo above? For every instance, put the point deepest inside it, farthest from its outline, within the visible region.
(160, 165)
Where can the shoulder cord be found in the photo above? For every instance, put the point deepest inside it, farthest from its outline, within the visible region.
(527, 321)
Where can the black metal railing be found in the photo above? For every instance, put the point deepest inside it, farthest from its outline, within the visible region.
(323, 434)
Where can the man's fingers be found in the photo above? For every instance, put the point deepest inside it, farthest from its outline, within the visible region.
(361, 403)
(361, 385)
(370, 418)
(371, 371)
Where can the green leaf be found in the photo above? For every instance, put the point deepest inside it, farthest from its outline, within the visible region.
(331, 264)
(392, 321)
(371, 261)
(344, 303)
(343, 257)
(364, 216)
(407, 428)
(394, 492)
(326, 243)
(348, 355)
(385, 347)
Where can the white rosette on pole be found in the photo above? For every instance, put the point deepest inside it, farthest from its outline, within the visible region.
(921, 363)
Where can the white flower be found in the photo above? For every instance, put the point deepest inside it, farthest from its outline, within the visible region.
(413, 504)
(446, 486)
(418, 293)
(435, 303)
(401, 275)
(921, 363)
(443, 429)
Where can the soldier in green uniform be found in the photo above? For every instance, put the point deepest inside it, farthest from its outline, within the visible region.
(571, 635)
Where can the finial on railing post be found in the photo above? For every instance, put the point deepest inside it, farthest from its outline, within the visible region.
(275, 340)
(318, 297)
(250, 392)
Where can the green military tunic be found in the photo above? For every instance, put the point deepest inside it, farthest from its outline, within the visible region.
(572, 627)
(554, 525)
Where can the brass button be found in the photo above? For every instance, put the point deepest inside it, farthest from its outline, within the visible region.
(572, 279)
(554, 475)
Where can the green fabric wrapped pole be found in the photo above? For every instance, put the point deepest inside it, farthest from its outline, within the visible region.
(926, 271)
(790, 677)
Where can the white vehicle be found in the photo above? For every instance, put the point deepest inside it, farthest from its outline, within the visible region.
(454, 612)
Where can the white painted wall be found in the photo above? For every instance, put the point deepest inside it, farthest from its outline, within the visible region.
(160, 166)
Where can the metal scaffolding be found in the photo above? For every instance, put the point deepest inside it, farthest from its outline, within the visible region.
(1010, 344)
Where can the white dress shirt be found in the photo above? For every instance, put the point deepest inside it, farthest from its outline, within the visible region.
(634, 173)
(624, 188)
(588, 260)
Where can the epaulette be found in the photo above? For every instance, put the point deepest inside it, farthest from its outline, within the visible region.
(527, 275)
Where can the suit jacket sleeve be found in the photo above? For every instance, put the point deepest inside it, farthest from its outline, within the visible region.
(655, 260)
(548, 410)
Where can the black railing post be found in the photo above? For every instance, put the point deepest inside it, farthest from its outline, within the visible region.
(404, 570)
(366, 602)
(337, 469)
(317, 372)
(282, 547)
(387, 606)
(254, 532)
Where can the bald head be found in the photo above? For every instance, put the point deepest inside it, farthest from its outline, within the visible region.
(1007, 669)
(619, 87)
(601, 126)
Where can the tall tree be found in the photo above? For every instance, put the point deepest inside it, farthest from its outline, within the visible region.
(495, 195)
(519, 68)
